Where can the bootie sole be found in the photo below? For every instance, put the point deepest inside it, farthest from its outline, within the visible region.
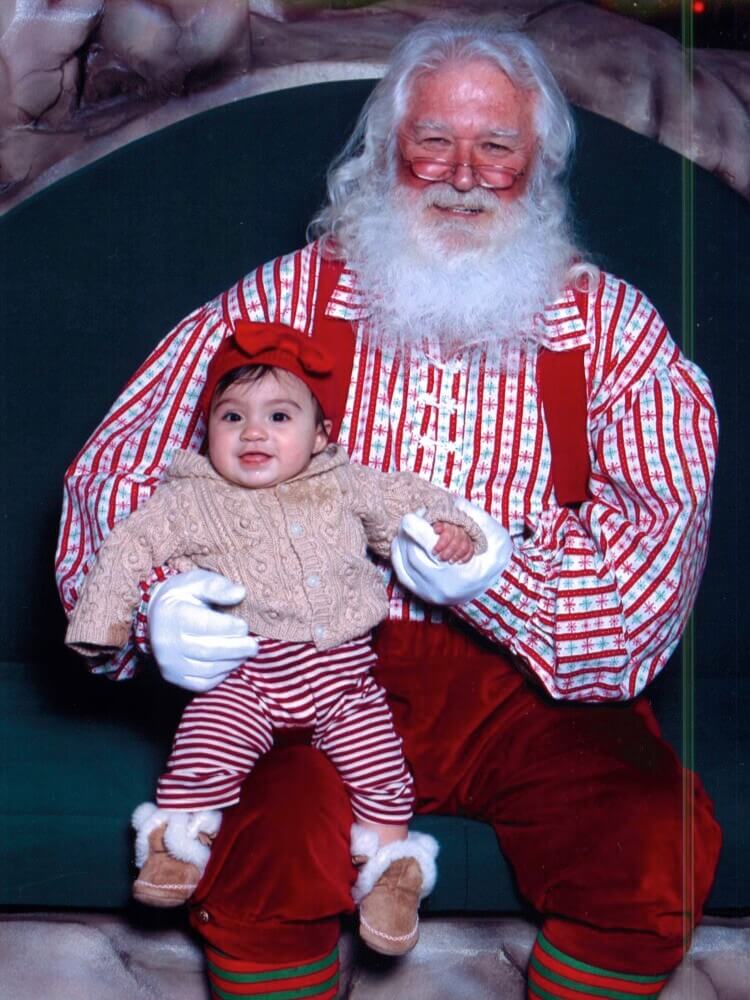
(387, 944)
(160, 896)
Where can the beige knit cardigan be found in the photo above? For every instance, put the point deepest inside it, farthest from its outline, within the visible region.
(299, 548)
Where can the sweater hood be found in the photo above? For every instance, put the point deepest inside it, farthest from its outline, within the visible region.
(191, 465)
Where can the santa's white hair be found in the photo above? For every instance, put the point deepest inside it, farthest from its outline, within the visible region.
(472, 293)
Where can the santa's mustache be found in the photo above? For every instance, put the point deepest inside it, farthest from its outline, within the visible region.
(445, 196)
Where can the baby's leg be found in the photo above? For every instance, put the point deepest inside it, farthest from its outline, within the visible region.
(397, 868)
(220, 737)
(357, 735)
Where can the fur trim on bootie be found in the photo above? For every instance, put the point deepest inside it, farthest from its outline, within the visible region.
(182, 833)
(365, 844)
(172, 849)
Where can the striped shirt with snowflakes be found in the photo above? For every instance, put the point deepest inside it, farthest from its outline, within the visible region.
(594, 599)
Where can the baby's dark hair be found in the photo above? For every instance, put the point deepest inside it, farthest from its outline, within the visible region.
(249, 375)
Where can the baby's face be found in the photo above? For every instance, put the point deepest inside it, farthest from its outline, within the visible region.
(262, 433)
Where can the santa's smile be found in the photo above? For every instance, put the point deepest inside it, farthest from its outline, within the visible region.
(460, 210)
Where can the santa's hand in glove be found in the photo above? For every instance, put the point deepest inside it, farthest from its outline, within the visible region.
(194, 645)
(416, 558)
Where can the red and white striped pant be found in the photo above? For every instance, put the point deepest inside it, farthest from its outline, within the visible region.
(223, 732)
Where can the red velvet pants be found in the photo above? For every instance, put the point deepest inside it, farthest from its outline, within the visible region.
(588, 802)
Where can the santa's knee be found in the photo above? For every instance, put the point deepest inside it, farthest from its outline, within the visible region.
(675, 849)
(648, 879)
(283, 850)
(292, 800)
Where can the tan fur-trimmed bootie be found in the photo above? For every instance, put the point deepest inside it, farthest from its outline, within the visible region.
(171, 851)
(392, 881)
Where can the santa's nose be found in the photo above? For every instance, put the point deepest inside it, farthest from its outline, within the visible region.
(463, 177)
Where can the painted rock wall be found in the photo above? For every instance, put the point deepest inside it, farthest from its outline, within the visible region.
(80, 77)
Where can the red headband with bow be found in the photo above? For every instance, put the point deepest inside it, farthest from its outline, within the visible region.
(278, 346)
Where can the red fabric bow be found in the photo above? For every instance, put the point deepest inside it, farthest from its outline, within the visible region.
(264, 340)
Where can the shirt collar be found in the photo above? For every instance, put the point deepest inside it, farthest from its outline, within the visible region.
(563, 324)
(347, 301)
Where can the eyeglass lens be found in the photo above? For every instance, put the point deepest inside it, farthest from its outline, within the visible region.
(485, 174)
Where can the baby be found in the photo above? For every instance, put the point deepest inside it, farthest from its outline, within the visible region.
(278, 509)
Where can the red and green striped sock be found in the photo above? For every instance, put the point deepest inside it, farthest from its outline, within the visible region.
(232, 979)
(553, 975)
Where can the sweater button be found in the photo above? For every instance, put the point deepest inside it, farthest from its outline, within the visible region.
(203, 916)
(319, 631)
(296, 529)
(313, 580)
(284, 488)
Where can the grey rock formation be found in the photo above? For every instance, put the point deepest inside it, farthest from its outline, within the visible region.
(76, 71)
(696, 103)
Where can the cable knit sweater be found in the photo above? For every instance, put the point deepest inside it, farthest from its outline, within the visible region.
(299, 548)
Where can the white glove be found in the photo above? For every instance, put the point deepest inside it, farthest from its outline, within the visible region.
(194, 646)
(438, 582)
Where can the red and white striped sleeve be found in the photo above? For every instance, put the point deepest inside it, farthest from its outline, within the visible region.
(122, 462)
(595, 599)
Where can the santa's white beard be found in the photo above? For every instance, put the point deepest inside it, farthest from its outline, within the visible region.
(483, 279)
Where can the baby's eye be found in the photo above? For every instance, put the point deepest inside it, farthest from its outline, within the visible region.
(279, 417)
(231, 417)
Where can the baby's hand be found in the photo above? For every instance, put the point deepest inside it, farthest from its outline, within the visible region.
(454, 544)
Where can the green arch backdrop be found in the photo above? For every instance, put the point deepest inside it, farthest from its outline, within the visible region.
(98, 267)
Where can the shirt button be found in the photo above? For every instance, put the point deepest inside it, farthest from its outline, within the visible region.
(203, 916)
(313, 580)
(319, 631)
(296, 529)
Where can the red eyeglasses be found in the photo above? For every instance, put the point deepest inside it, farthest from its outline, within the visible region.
(486, 175)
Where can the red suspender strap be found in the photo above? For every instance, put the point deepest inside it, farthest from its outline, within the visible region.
(561, 378)
(338, 332)
(329, 275)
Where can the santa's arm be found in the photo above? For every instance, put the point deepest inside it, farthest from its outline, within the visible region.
(124, 459)
(595, 600)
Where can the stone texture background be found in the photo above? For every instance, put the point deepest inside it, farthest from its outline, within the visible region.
(80, 77)
(71, 956)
